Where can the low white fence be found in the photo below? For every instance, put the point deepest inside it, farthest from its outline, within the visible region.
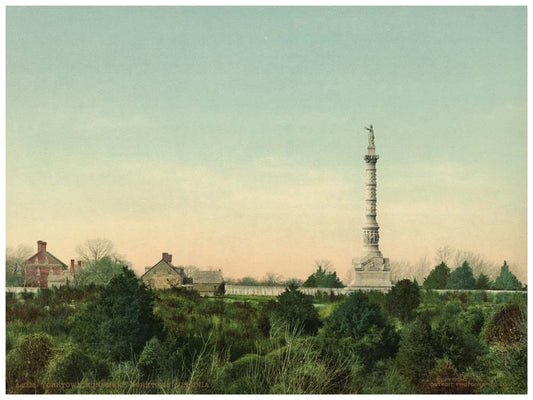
(276, 290)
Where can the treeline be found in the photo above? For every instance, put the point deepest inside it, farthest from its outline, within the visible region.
(441, 277)
(124, 338)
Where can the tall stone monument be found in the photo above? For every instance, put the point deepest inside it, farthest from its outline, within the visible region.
(371, 271)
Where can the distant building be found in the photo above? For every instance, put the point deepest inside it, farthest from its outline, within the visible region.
(44, 270)
(208, 282)
(163, 275)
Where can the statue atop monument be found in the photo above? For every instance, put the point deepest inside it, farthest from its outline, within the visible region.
(370, 135)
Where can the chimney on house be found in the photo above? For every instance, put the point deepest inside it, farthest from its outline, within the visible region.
(165, 257)
(72, 266)
(41, 246)
(170, 258)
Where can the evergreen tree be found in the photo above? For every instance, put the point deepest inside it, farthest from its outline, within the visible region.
(322, 278)
(461, 278)
(120, 322)
(417, 353)
(296, 309)
(438, 277)
(354, 318)
(483, 282)
(403, 299)
(506, 280)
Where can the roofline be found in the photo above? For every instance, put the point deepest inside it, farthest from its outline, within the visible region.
(51, 255)
(169, 264)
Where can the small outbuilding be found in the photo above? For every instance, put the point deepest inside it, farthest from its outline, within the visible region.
(208, 282)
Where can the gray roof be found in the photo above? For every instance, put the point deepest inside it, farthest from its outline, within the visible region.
(207, 277)
(177, 270)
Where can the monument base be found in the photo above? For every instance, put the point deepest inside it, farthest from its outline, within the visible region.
(372, 273)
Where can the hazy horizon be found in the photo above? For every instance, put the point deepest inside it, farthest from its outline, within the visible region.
(234, 137)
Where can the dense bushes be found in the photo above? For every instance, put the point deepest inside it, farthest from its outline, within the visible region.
(296, 310)
(407, 341)
(118, 324)
(403, 299)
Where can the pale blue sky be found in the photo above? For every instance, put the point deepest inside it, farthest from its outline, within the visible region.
(234, 136)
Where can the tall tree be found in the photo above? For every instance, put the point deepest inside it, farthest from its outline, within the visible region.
(461, 278)
(120, 322)
(438, 277)
(507, 280)
(483, 282)
(403, 299)
(418, 351)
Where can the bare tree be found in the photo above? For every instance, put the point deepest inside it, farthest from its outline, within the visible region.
(401, 270)
(444, 254)
(476, 262)
(406, 270)
(324, 263)
(94, 250)
(272, 279)
(14, 261)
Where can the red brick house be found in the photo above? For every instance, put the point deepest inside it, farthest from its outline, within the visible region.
(45, 270)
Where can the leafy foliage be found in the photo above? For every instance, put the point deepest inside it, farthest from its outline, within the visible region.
(99, 272)
(417, 352)
(354, 318)
(460, 342)
(403, 299)
(27, 363)
(119, 323)
(72, 365)
(296, 310)
(507, 326)
(322, 278)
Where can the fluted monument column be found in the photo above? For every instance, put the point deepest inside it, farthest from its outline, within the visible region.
(372, 270)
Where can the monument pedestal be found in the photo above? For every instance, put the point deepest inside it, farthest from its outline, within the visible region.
(371, 274)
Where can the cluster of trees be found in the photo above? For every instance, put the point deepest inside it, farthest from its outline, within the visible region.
(441, 277)
(323, 277)
(124, 338)
(269, 279)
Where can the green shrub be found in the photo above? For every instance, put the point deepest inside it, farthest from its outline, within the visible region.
(71, 365)
(150, 358)
(296, 310)
(120, 322)
(403, 299)
(417, 352)
(354, 318)
(27, 363)
(245, 376)
(507, 326)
